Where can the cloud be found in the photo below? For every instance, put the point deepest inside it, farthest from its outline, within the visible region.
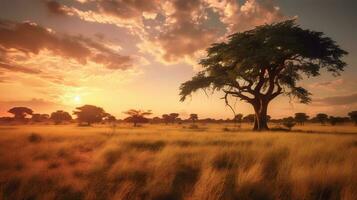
(248, 15)
(328, 85)
(179, 30)
(128, 9)
(20, 41)
(56, 8)
(18, 68)
(183, 33)
(336, 100)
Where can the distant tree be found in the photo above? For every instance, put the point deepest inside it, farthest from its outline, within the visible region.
(166, 118)
(301, 118)
(337, 120)
(353, 116)
(288, 119)
(60, 116)
(39, 117)
(20, 112)
(109, 118)
(193, 117)
(322, 118)
(89, 114)
(258, 65)
(156, 120)
(137, 116)
(6, 120)
(249, 118)
(173, 117)
(208, 120)
(179, 120)
(288, 122)
(238, 118)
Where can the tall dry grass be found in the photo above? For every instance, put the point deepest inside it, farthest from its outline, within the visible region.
(174, 162)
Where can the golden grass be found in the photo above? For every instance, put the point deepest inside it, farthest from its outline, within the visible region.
(169, 162)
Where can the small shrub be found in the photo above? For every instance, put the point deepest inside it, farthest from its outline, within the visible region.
(289, 124)
(54, 165)
(34, 138)
(147, 145)
(193, 126)
(225, 129)
(278, 128)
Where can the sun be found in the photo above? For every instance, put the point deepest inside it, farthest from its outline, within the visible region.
(77, 99)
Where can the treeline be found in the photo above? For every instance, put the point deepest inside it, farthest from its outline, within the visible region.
(89, 114)
(322, 118)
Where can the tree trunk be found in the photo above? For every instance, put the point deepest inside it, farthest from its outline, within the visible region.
(261, 120)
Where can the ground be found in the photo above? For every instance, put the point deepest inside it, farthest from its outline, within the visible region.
(181, 161)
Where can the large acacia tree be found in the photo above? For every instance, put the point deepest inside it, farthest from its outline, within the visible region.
(258, 65)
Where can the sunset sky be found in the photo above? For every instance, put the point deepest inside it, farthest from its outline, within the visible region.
(122, 54)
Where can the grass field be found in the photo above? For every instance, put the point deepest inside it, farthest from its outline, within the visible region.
(171, 162)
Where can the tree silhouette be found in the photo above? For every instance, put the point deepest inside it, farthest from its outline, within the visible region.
(156, 120)
(89, 114)
(39, 117)
(258, 65)
(109, 118)
(322, 118)
(353, 116)
(249, 118)
(137, 116)
(170, 118)
(173, 117)
(301, 118)
(20, 112)
(288, 122)
(238, 118)
(166, 118)
(336, 120)
(193, 117)
(60, 116)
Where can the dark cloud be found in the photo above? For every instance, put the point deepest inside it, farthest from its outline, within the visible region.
(30, 38)
(179, 29)
(336, 100)
(56, 8)
(128, 9)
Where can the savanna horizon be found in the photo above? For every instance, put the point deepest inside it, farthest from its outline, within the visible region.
(178, 100)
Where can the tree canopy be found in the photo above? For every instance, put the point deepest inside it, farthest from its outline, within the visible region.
(301, 118)
(20, 112)
(193, 117)
(89, 114)
(322, 118)
(60, 116)
(258, 65)
(353, 116)
(137, 116)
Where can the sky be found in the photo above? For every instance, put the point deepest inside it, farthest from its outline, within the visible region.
(134, 54)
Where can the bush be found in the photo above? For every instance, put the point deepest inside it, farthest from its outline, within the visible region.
(289, 124)
(34, 138)
(193, 126)
(225, 129)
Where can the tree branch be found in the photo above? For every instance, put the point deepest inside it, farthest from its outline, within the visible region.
(261, 80)
(238, 94)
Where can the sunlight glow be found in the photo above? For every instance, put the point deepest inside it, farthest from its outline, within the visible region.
(77, 99)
